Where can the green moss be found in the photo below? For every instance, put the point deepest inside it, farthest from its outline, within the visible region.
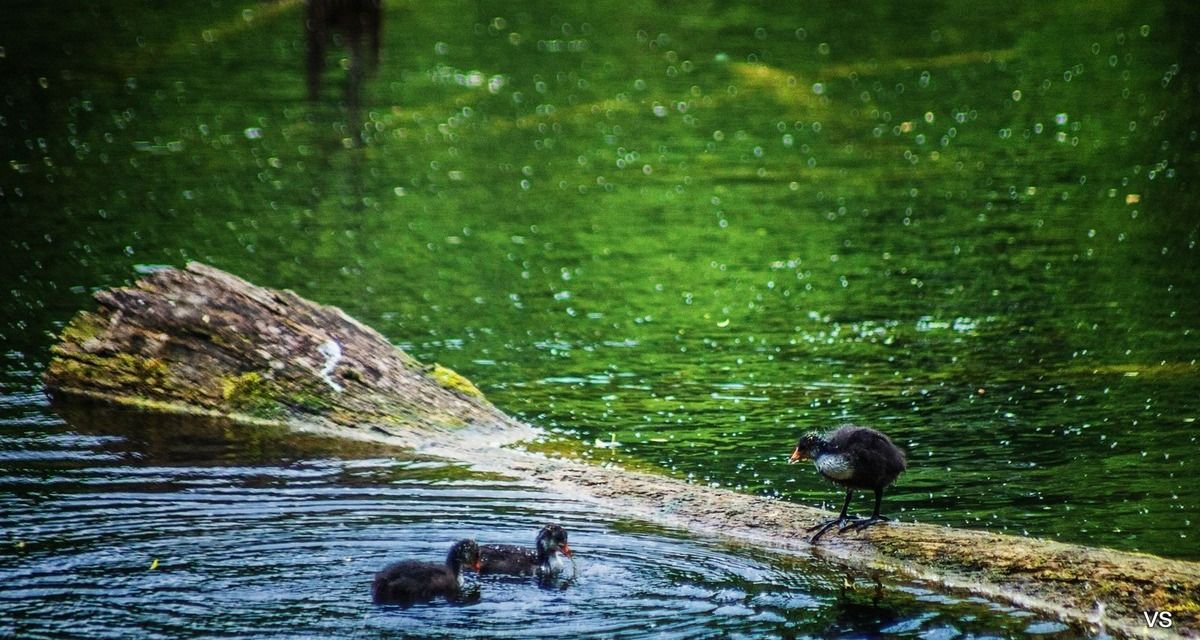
(116, 371)
(306, 401)
(450, 379)
(171, 407)
(258, 395)
(246, 385)
(250, 392)
(83, 327)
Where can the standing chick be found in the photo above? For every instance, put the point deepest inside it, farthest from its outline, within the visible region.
(855, 458)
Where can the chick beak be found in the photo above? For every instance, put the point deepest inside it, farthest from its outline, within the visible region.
(796, 456)
(565, 549)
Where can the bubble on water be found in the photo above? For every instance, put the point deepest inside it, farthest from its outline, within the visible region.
(818, 88)
(1016, 95)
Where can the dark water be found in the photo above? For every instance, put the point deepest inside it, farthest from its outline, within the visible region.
(694, 232)
(247, 546)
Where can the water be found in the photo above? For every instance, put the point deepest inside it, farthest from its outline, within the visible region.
(129, 536)
(692, 233)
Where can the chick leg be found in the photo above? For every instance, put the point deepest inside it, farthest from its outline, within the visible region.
(840, 521)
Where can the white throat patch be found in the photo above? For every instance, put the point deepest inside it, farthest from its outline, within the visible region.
(834, 465)
(554, 563)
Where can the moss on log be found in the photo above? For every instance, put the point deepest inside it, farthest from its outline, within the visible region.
(204, 342)
(200, 341)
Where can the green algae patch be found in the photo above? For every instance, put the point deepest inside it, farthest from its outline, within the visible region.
(252, 393)
(452, 380)
(120, 370)
(83, 327)
(246, 386)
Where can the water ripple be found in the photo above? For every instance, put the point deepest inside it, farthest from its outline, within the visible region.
(290, 550)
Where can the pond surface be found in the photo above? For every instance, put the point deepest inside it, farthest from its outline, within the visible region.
(207, 535)
(690, 233)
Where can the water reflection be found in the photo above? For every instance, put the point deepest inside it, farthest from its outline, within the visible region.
(679, 236)
(356, 25)
(143, 542)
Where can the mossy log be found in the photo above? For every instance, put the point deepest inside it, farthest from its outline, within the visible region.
(201, 341)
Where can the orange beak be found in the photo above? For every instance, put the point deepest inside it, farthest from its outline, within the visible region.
(797, 456)
(565, 549)
(477, 566)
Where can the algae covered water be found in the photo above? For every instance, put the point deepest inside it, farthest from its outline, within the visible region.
(671, 237)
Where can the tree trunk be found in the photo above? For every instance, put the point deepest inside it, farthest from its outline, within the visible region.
(201, 341)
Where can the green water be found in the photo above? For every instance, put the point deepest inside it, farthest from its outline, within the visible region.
(693, 230)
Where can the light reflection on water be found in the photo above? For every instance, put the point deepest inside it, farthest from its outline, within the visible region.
(974, 230)
(691, 238)
(253, 548)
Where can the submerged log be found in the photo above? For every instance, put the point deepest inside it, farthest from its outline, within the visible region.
(203, 342)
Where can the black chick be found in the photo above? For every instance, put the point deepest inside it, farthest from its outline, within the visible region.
(856, 458)
(543, 560)
(409, 581)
